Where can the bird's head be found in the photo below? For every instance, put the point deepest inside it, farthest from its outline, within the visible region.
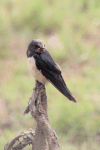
(35, 46)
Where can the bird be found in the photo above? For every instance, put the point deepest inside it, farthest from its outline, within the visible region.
(44, 68)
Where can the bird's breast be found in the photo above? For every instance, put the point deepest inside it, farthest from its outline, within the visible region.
(35, 72)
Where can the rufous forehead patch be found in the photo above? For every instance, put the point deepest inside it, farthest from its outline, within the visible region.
(40, 50)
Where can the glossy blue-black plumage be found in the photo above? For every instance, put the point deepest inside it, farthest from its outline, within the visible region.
(50, 70)
(48, 67)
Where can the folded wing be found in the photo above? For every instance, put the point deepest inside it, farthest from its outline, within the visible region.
(53, 73)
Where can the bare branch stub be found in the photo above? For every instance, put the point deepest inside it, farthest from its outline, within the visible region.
(39, 110)
(44, 136)
(21, 141)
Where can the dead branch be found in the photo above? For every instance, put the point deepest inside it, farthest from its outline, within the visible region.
(44, 136)
(21, 141)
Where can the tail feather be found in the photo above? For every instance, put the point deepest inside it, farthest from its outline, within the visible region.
(70, 97)
(59, 83)
(65, 91)
(61, 86)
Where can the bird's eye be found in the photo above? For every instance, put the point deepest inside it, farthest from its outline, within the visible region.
(36, 46)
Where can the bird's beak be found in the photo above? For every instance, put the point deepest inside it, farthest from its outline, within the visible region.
(42, 47)
(29, 53)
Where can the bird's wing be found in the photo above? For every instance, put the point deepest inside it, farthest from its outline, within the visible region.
(49, 63)
(53, 73)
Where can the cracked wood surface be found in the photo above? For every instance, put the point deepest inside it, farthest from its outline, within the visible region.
(44, 137)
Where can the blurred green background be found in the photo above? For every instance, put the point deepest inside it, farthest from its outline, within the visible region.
(71, 32)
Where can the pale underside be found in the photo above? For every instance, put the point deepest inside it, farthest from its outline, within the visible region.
(35, 72)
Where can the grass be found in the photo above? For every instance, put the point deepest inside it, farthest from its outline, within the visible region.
(70, 30)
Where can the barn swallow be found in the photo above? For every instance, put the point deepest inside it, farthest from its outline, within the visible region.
(44, 68)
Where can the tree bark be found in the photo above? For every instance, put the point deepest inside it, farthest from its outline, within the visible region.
(44, 138)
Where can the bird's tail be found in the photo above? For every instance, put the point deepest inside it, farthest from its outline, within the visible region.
(61, 86)
(65, 91)
(68, 94)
